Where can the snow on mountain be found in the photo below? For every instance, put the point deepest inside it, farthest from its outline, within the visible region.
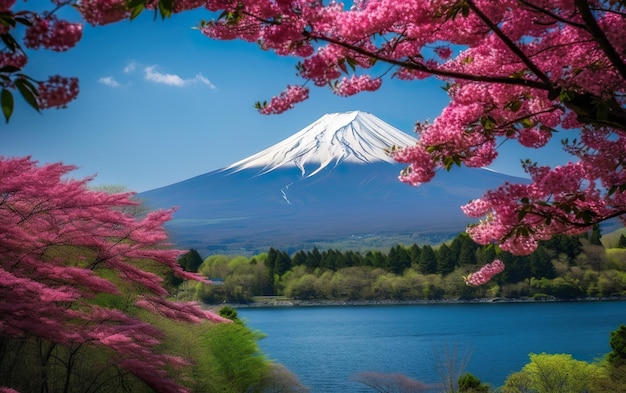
(352, 137)
(331, 180)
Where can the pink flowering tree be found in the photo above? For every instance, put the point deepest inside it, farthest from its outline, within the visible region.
(78, 271)
(515, 70)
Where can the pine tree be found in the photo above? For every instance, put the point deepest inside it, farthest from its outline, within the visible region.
(596, 235)
(428, 260)
(398, 260)
(445, 262)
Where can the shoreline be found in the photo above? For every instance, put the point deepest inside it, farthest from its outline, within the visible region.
(283, 302)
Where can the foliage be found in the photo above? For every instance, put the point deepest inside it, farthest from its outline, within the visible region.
(79, 276)
(561, 267)
(558, 373)
(468, 383)
(229, 312)
(617, 356)
(235, 363)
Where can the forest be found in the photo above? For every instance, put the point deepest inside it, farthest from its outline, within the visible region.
(564, 267)
(588, 266)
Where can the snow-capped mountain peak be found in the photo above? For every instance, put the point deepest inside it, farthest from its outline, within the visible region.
(352, 137)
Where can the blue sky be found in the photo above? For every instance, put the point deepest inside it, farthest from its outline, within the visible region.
(160, 103)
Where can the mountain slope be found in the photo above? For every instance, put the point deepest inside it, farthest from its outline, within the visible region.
(331, 180)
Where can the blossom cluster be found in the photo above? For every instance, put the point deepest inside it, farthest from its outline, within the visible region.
(287, 98)
(57, 92)
(356, 84)
(485, 274)
(52, 33)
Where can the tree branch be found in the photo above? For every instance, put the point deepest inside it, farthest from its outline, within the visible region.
(552, 15)
(510, 44)
(433, 71)
(597, 33)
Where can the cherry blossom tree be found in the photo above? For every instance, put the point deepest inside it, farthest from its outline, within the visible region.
(77, 270)
(515, 70)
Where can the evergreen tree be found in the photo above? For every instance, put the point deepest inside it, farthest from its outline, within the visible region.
(375, 259)
(455, 246)
(190, 261)
(617, 357)
(541, 263)
(329, 260)
(596, 235)
(414, 253)
(622, 241)
(282, 264)
(445, 262)
(428, 260)
(398, 260)
(313, 259)
(467, 251)
(299, 258)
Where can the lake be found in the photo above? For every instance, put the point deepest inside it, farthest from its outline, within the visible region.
(326, 346)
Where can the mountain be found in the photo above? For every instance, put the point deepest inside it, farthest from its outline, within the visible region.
(330, 183)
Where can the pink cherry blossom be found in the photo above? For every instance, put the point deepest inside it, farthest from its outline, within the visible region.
(356, 84)
(57, 92)
(485, 273)
(63, 245)
(287, 98)
(52, 33)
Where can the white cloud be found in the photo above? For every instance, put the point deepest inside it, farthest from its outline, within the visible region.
(167, 79)
(202, 79)
(130, 67)
(109, 81)
(150, 74)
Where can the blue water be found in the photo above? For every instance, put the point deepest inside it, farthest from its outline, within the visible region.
(326, 346)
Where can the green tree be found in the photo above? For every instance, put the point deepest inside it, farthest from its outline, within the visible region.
(398, 260)
(299, 258)
(467, 252)
(541, 263)
(234, 363)
(621, 243)
(617, 357)
(595, 235)
(414, 252)
(558, 373)
(445, 262)
(375, 259)
(428, 260)
(468, 383)
(313, 259)
(190, 261)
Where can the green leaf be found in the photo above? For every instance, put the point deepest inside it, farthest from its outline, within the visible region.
(566, 95)
(488, 122)
(527, 123)
(6, 99)
(10, 42)
(23, 21)
(351, 62)
(514, 106)
(9, 69)
(135, 11)
(165, 8)
(7, 19)
(28, 91)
